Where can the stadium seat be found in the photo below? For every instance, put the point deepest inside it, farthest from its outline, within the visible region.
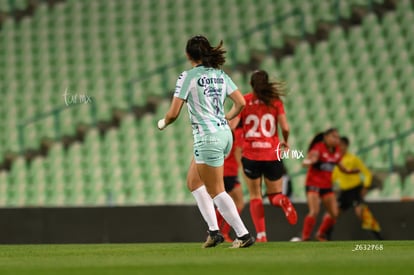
(374, 195)
(392, 187)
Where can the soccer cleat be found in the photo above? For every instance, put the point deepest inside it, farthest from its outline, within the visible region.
(243, 242)
(261, 237)
(296, 239)
(289, 210)
(214, 238)
(261, 240)
(321, 238)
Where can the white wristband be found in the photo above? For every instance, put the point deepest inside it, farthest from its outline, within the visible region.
(161, 124)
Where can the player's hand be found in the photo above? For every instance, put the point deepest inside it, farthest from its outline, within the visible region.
(306, 162)
(161, 124)
(283, 145)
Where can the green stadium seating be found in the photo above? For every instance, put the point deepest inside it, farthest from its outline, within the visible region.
(374, 195)
(357, 79)
(392, 186)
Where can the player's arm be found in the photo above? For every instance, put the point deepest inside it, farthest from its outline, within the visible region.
(346, 170)
(234, 122)
(367, 176)
(172, 114)
(284, 126)
(238, 104)
(311, 158)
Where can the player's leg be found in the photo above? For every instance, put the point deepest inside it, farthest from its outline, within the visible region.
(209, 162)
(223, 225)
(277, 198)
(343, 205)
(273, 172)
(356, 201)
(254, 186)
(213, 180)
(234, 189)
(313, 200)
(205, 204)
(362, 211)
(369, 222)
(238, 155)
(330, 203)
(237, 195)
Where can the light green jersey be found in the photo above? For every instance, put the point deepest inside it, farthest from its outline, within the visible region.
(205, 90)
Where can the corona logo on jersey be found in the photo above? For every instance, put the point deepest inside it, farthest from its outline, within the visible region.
(204, 80)
(287, 154)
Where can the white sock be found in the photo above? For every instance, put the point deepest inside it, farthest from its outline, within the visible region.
(206, 206)
(228, 210)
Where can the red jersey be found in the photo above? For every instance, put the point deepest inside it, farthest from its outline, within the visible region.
(260, 128)
(231, 167)
(320, 173)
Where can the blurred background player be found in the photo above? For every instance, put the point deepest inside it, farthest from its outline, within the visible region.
(263, 112)
(323, 155)
(231, 180)
(204, 88)
(353, 188)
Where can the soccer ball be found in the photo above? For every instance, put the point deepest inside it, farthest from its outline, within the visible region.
(296, 239)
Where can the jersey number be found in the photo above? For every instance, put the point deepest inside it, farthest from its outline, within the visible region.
(267, 126)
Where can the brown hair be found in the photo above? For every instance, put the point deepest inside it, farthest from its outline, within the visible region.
(319, 137)
(199, 49)
(264, 90)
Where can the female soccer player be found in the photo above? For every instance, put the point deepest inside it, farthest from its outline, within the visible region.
(323, 156)
(231, 181)
(264, 111)
(204, 88)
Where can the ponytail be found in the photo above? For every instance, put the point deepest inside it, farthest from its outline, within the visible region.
(264, 90)
(199, 49)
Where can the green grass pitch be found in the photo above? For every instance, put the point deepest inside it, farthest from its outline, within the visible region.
(397, 258)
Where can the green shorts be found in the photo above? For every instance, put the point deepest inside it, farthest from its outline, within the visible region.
(212, 149)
